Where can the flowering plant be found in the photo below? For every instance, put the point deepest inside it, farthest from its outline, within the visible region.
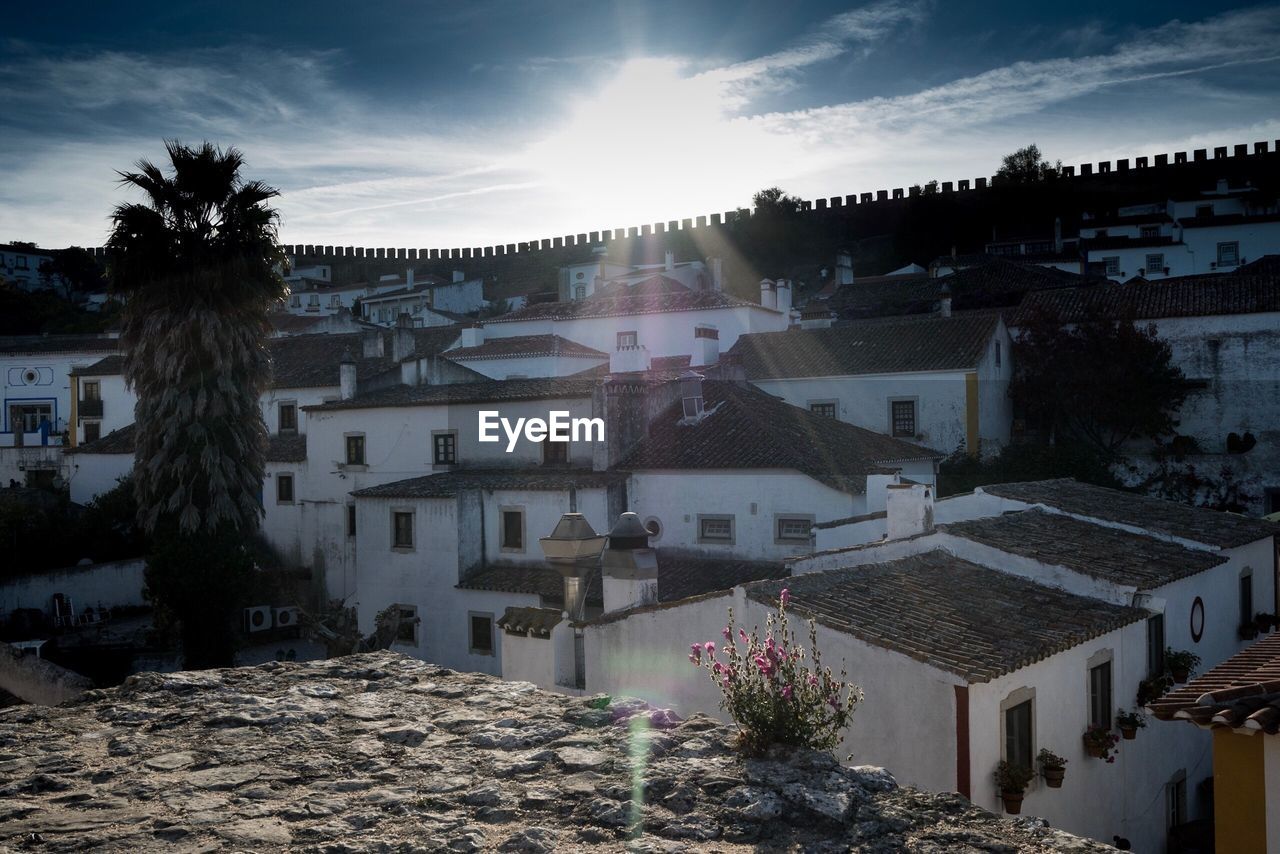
(1099, 742)
(776, 691)
(1130, 720)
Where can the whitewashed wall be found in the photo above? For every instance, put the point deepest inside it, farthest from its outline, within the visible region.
(52, 385)
(90, 475)
(532, 366)
(110, 584)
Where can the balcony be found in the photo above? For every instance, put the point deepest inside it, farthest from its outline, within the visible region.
(90, 408)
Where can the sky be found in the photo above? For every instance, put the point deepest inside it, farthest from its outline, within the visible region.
(416, 124)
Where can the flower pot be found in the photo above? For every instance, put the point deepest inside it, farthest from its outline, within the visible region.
(1053, 777)
(1128, 733)
(1012, 802)
(1263, 624)
(1180, 676)
(1248, 632)
(1095, 750)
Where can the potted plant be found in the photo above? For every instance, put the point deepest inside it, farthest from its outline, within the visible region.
(1264, 621)
(1100, 743)
(1181, 663)
(1152, 689)
(1052, 767)
(1130, 723)
(1012, 781)
(1248, 631)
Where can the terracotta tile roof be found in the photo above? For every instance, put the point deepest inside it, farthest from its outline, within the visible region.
(286, 448)
(1100, 552)
(294, 324)
(524, 346)
(108, 367)
(1242, 692)
(744, 428)
(660, 368)
(495, 391)
(623, 306)
(536, 621)
(1196, 524)
(312, 361)
(895, 345)
(116, 442)
(681, 575)
(1242, 292)
(450, 483)
(952, 614)
(58, 344)
(648, 286)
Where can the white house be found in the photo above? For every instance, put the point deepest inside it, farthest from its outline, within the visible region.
(939, 381)
(20, 264)
(1224, 332)
(992, 639)
(521, 356)
(429, 300)
(603, 277)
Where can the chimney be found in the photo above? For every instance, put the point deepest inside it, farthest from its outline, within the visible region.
(628, 360)
(1223, 187)
(601, 253)
(472, 336)
(402, 341)
(671, 261)
(909, 509)
(717, 274)
(629, 567)
(844, 267)
(371, 343)
(784, 295)
(1057, 234)
(691, 395)
(573, 549)
(944, 300)
(408, 277)
(459, 276)
(768, 296)
(347, 376)
(706, 345)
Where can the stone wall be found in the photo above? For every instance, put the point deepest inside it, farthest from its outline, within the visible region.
(385, 753)
(35, 680)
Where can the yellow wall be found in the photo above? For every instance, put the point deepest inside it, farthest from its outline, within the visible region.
(1239, 793)
(971, 438)
(75, 399)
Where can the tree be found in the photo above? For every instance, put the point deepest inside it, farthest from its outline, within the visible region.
(1026, 166)
(197, 265)
(1101, 382)
(76, 270)
(774, 202)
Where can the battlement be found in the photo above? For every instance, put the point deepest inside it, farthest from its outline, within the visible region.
(834, 205)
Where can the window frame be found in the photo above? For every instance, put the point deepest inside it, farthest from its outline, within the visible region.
(1100, 693)
(561, 448)
(630, 335)
(1155, 652)
(97, 428)
(502, 529)
(1245, 593)
(703, 518)
(436, 437)
(1154, 268)
(413, 623)
(351, 520)
(472, 616)
(285, 477)
(290, 406)
(1015, 700)
(779, 518)
(1148, 232)
(91, 390)
(1111, 265)
(915, 417)
(833, 404)
(396, 514)
(347, 439)
(1218, 254)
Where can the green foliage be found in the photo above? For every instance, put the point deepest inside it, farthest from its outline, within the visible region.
(1130, 720)
(1048, 759)
(1013, 779)
(40, 312)
(1027, 166)
(1025, 461)
(1177, 480)
(1100, 382)
(772, 692)
(1101, 743)
(53, 533)
(1181, 660)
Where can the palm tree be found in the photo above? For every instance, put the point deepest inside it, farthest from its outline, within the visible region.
(196, 264)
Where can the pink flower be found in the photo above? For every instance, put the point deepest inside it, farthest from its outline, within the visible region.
(728, 633)
(785, 597)
(813, 680)
(718, 668)
(725, 681)
(763, 664)
(786, 691)
(693, 658)
(710, 647)
(742, 633)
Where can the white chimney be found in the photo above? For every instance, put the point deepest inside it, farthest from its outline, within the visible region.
(402, 341)
(628, 360)
(768, 296)
(459, 276)
(784, 295)
(909, 509)
(706, 345)
(472, 336)
(944, 300)
(629, 566)
(717, 274)
(347, 376)
(844, 267)
(671, 261)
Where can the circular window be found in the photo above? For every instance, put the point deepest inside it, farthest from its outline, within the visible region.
(1197, 619)
(581, 276)
(29, 376)
(654, 527)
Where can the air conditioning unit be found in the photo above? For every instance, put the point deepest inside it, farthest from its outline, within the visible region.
(257, 618)
(287, 617)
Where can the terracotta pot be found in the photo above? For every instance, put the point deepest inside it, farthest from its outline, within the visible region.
(1012, 802)
(1128, 733)
(1180, 676)
(1053, 777)
(1094, 750)
(1248, 632)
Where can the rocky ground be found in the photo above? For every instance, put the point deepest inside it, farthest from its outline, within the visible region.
(381, 752)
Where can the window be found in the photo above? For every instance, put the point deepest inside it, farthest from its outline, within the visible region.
(1148, 232)
(351, 520)
(1204, 210)
(998, 354)
(792, 529)
(902, 417)
(1229, 254)
(555, 453)
(355, 450)
(335, 301)
(628, 339)
(1017, 734)
(512, 533)
(717, 530)
(92, 430)
(295, 300)
(407, 628)
(1246, 597)
(20, 261)
(1111, 264)
(313, 300)
(1155, 645)
(284, 489)
(92, 390)
(1271, 500)
(826, 408)
(1100, 695)
(444, 450)
(580, 292)
(1155, 263)
(402, 529)
(26, 418)
(481, 633)
(1175, 799)
(288, 417)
